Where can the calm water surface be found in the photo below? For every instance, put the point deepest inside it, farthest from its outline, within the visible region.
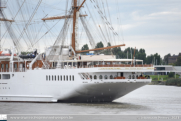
(150, 99)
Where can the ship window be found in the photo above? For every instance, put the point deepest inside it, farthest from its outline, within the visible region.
(0, 76)
(95, 77)
(90, 76)
(70, 78)
(64, 78)
(52, 78)
(5, 76)
(73, 78)
(129, 76)
(133, 76)
(111, 77)
(15, 65)
(58, 78)
(55, 78)
(6, 66)
(67, 78)
(105, 77)
(2, 66)
(100, 77)
(61, 77)
(46, 77)
(49, 77)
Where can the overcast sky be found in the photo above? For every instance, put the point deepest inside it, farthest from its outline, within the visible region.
(154, 25)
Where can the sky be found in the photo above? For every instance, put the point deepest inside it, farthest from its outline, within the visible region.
(154, 25)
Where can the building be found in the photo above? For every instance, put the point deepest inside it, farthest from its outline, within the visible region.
(173, 59)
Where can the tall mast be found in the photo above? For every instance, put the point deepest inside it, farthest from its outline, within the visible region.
(74, 21)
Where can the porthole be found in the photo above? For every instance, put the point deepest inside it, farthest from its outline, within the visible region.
(95, 77)
(111, 77)
(100, 77)
(105, 77)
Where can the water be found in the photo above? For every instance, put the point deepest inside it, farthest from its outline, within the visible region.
(150, 99)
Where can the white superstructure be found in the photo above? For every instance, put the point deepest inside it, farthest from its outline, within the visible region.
(75, 81)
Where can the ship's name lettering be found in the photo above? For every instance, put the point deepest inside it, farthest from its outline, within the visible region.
(132, 68)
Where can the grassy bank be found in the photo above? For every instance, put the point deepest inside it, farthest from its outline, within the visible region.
(165, 80)
(174, 82)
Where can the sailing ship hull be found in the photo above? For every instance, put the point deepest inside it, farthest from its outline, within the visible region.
(64, 85)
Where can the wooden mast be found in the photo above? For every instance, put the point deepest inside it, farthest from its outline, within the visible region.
(74, 21)
(77, 8)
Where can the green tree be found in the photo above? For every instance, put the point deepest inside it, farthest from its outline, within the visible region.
(85, 47)
(166, 58)
(171, 74)
(99, 45)
(178, 63)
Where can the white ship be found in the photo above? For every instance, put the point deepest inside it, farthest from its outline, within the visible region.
(61, 74)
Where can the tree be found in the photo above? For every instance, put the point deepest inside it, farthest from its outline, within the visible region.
(99, 45)
(178, 63)
(171, 74)
(166, 58)
(85, 47)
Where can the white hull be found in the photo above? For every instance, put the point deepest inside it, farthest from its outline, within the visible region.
(33, 86)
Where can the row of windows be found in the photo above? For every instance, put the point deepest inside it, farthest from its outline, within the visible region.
(105, 77)
(60, 78)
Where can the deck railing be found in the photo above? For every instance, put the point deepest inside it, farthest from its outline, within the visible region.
(72, 67)
(13, 70)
